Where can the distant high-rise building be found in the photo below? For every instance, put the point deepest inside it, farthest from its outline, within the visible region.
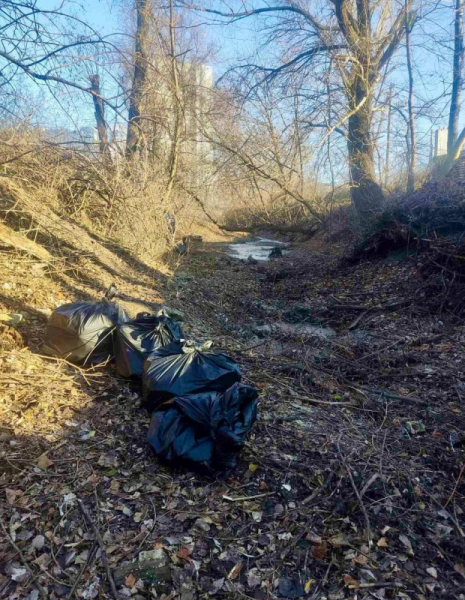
(85, 138)
(440, 142)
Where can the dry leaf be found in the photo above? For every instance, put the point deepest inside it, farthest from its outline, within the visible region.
(253, 578)
(308, 585)
(349, 580)
(338, 540)
(43, 462)
(459, 568)
(314, 537)
(11, 495)
(319, 551)
(184, 553)
(38, 542)
(407, 543)
(234, 573)
(130, 581)
(382, 543)
(432, 571)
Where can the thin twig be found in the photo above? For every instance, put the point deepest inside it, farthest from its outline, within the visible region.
(326, 402)
(381, 584)
(359, 497)
(42, 591)
(456, 485)
(244, 498)
(318, 491)
(89, 561)
(103, 555)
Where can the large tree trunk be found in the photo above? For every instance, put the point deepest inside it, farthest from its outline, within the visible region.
(457, 81)
(367, 195)
(134, 133)
(99, 115)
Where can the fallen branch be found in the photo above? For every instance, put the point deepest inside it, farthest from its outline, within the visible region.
(365, 308)
(326, 402)
(387, 394)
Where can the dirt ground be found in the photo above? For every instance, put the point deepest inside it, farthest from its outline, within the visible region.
(351, 484)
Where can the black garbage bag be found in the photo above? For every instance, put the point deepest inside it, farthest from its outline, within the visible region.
(205, 431)
(138, 338)
(182, 368)
(82, 332)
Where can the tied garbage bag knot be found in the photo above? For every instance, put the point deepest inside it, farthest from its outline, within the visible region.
(182, 368)
(136, 339)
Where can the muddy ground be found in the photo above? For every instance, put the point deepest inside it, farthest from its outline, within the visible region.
(351, 484)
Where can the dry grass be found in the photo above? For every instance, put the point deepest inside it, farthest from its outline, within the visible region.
(122, 202)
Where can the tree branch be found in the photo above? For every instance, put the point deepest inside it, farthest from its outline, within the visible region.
(67, 82)
(257, 11)
(392, 41)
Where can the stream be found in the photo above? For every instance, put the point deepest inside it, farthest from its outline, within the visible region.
(258, 248)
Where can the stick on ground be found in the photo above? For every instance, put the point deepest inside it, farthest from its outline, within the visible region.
(103, 556)
(42, 590)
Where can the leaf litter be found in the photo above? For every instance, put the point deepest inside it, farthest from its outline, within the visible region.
(337, 494)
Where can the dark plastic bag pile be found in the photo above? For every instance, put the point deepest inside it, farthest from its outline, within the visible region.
(182, 368)
(136, 339)
(206, 430)
(201, 413)
(82, 332)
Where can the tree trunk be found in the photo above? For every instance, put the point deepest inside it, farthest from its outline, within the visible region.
(177, 101)
(99, 115)
(388, 138)
(134, 133)
(412, 145)
(457, 80)
(367, 195)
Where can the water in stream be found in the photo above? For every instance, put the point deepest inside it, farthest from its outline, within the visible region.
(258, 248)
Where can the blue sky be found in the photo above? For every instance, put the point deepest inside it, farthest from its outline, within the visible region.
(231, 41)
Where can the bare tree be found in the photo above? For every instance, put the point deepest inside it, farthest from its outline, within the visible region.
(177, 105)
(388, 137)
(360, 38)
(453, 148)
(99, 110)
(134, 133)
(412, 139)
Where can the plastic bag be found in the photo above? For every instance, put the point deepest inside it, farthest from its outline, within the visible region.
(182, 368)
(82, 332)
(207, 430)
(136, 339)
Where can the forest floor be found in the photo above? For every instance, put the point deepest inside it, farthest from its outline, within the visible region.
(352, 482)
